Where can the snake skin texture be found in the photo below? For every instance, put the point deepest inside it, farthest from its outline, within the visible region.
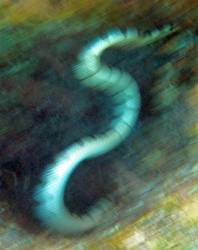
(123, 91)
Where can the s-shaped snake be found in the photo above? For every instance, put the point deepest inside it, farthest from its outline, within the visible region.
(123, 90)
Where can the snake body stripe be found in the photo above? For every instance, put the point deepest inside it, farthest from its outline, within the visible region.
(123, 90)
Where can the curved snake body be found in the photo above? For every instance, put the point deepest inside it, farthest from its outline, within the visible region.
(123, 90)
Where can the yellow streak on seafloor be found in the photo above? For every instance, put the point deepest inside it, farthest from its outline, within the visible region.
(45, 10)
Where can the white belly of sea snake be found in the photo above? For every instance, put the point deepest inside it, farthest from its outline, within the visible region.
(124, 92)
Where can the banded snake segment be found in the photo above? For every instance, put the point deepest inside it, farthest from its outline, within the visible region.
(124, 92)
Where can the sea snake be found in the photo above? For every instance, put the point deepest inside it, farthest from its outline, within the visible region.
(123, 90)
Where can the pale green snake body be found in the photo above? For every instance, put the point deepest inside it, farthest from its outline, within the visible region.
(124, 92)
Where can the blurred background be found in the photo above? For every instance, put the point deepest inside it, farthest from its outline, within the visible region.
(152, 177)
